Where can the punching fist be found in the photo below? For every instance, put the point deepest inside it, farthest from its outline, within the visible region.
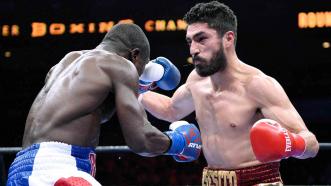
(272, 142)
(159, 72)
(185, 141)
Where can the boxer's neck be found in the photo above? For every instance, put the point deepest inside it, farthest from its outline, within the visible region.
(232, 72)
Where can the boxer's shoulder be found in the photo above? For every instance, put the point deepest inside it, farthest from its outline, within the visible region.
(98, 54)
(263, 88)
(117, 67)
(103, 59)
(260, 82)
(75, 53)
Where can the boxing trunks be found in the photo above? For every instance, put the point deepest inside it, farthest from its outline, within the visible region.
(53, 163)
(266, 174)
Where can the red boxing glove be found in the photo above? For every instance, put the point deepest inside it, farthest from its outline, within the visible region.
(272, 142)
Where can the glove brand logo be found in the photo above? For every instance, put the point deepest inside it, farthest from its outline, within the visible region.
(194, 145)
(288, 144)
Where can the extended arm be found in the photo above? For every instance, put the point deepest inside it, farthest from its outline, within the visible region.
(183, 141)
(139, 134)
(166, 108)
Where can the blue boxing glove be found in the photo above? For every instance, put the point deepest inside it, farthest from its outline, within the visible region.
(185, 141)
(171, 76)
(159, 72)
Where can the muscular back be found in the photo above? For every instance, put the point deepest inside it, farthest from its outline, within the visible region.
(75, 99)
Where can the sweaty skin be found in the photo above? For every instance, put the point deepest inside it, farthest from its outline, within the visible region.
(225, 116)
(82, 91)
(227, 103)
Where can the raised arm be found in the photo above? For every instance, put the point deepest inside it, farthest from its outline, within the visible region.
(275, 105)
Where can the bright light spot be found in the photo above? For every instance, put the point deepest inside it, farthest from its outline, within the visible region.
(7, 54)
(189, 60)
(326, 44)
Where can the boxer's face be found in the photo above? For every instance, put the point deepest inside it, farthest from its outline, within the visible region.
(206, 49)
(140, 65)
(137, 60)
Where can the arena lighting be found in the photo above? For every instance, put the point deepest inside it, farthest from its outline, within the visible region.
(314, 20)
(7, 54)
(189, 60)
(42, 29)
(10, 30)
(164, 25)
(326, 44)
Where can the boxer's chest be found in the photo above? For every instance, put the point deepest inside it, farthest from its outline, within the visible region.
(230, 108)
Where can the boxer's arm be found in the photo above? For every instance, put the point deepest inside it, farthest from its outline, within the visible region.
(170, 108)
(275, 104)
(166, 108)
(139, 134)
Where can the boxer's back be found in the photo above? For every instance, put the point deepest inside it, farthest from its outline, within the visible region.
(68, 108)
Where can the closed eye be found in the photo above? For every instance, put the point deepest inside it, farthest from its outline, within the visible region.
(201, 39)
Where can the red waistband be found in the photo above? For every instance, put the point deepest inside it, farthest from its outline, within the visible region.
(265, 173)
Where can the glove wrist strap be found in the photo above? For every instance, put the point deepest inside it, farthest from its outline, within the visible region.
(177, 143)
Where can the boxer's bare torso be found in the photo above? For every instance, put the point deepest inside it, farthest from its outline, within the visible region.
(75, 99)
(225, 114)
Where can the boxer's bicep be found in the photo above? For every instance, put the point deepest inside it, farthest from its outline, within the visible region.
(130, 115)
(168, 108)
(125, 87)
(128, 109)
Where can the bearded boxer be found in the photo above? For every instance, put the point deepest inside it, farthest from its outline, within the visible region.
(229, 97)
(82, 91)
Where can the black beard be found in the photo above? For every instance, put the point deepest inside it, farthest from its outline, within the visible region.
(217, 63)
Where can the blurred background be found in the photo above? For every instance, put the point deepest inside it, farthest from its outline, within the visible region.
(289, 40)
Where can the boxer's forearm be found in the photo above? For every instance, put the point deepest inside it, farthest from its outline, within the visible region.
(154, 142)
(312, 145)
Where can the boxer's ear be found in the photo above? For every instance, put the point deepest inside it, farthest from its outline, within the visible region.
(134, 53)
(228, 39)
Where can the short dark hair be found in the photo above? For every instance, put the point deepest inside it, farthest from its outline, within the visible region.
(126, 37)
(217, 15)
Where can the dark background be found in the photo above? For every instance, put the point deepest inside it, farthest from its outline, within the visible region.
(268, 38)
